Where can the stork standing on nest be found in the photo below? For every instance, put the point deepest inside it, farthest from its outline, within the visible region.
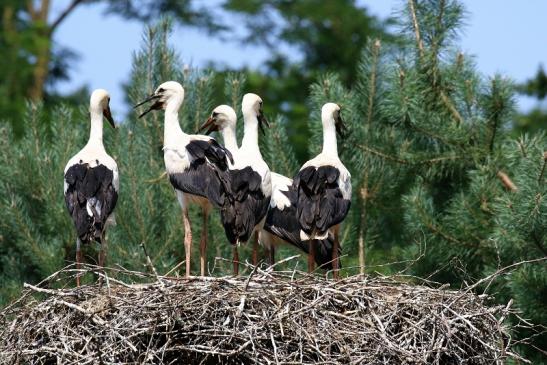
(323, 187)
(282, 226)
(250, 181)
(91, 183)
(197, 165)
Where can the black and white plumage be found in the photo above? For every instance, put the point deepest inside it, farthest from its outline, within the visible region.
(323, 187)
(91, 182)
(249, 176)
(250, 181)
(282, 225)
(197, 165)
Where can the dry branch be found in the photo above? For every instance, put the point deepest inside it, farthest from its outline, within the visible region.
(267, 317)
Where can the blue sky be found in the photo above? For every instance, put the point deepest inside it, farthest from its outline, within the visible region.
(504, 36)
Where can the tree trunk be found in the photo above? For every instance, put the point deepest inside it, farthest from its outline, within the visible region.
(39, 17)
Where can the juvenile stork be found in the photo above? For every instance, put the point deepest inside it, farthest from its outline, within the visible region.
(281, 225)
(250, 182)
(197, 165)
(323, 187)
(91, 183)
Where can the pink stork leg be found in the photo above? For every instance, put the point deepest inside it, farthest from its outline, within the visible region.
(203, 243)
(236, 260)
(78, 260)
(255, 249)
(187, 239)
(271, 255)
(335, 255)
(102, 252)
(311, 256)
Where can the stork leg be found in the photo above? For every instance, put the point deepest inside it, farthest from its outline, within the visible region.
(255, 249)
(236, 260)
(102, 252)
(271, 255)
(78, 259)
(203, 243)
(335, 255)
(311, 256)
(187, 239)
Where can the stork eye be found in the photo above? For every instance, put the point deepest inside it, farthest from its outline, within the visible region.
(215, 114)
(161, 89)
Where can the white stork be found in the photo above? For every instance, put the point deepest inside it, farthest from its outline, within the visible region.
(250, 181)
(91, 183)
(323, 187)
(281, 225)
(197, 165)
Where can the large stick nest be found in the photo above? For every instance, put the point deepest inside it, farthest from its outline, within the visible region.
(267, 317)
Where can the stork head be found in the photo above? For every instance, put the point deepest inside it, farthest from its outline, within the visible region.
(170, 95)
(331, 113)
(223, 116)
(100, 103)
(252, 107)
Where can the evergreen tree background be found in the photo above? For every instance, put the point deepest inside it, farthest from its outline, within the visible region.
(443, 188)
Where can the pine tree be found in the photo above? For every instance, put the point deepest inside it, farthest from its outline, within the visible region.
(439, 185)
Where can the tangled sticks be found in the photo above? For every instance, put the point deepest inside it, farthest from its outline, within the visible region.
(267, 317)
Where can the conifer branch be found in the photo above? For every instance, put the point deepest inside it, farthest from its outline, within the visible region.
(416, 28)
(372, 92)
(444, 98)
(450, 105)
(436, 230)
(438, 25)
(384, 155)
(506, 181)
(543, 168)
(433, 135)
(157, 179)
(63, 15)
(538, 243)
(364, 187)
(389, 157)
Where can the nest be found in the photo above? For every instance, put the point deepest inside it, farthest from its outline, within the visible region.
(266, 317)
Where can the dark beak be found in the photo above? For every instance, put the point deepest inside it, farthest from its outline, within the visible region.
(108, 115)
(261, 121)
(156, 106)
(340, 127)
(210, 125)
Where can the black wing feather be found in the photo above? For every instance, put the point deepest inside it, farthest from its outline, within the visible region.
(93, 185)
(247, 205)
(320, 204)
(207, 175)
(284, 224)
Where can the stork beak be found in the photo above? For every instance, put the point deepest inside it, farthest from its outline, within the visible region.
(108, 115)
(156, 106)
(340, 126)
(261, 121)
(210, 125)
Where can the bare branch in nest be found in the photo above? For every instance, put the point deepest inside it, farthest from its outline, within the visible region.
(286, 317)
